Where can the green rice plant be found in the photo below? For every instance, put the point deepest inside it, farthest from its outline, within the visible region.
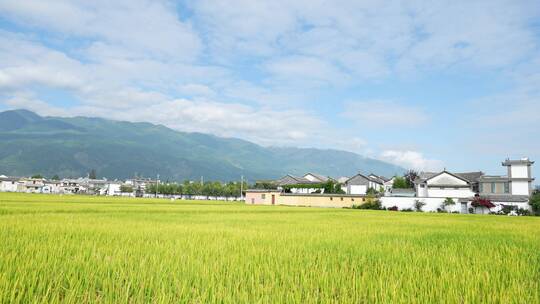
(82, 249)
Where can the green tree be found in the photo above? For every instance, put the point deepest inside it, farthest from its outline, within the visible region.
(37, 176)
(447, 202)
(126, 189)
(56, 177)
(371, 202)
(535, 203)
(418, 205)
(92, 174)
(409, 177)
(400, 183)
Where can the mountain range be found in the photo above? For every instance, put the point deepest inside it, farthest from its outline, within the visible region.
(72, 146)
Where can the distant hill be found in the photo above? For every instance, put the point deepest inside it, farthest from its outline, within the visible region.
(31, 144)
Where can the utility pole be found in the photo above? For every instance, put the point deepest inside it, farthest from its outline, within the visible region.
(241, 187)
(157, 185)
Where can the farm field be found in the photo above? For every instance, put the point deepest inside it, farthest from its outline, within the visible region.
(79, 249)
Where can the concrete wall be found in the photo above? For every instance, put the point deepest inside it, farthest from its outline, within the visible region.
(446, 192)
(521, 188)
(327, 201)
(432, 203)
(308, 200)
(519, 171)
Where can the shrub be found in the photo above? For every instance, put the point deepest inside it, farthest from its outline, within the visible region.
(524, 212)
(393, 208)
(374, 204)
(372, 191)
(507, 209)
(447, 202)
(418, 205)
(407, 210)
(535, 203)
(471, 210)
(482, 202)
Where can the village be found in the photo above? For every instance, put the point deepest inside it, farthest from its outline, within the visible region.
(444, 191)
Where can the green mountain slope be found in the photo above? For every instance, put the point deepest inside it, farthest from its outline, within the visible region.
(73, 146)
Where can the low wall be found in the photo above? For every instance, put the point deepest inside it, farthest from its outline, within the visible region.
(432, 203)
(307, 200)
(321, 200)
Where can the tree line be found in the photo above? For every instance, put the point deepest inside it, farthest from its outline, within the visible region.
(230, 189)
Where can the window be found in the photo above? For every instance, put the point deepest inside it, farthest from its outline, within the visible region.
(492, 187)
(481, 186)
(263, 196)
(342, 198)
(506, 187)
(422, 185)
(331, 198)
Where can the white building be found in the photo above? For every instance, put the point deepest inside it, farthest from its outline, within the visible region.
(8, 184)
(512, 190)
(300, 185)
(359, 184)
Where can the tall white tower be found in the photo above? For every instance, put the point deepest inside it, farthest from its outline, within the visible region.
(519, 176)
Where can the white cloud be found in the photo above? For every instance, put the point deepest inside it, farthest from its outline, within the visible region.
(383, 113)
(138, 27)
(411, 160)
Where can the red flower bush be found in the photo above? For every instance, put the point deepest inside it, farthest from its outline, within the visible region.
(482, 202)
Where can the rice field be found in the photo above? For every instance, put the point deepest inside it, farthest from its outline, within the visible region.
(77, 249)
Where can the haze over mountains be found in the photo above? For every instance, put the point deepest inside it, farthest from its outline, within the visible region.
(70, 147)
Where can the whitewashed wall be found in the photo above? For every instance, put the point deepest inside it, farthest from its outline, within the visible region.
(519, 171)
(357, 189)
(432, 203)
(461, 192)
(520, 188)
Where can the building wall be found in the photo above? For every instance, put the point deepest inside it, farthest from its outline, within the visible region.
(357, 189)
(421, 191)
(326, 201)
(432, 203)
(519, 171)
(311, 200)
(520, 187)
(8, 186)
(261, 198)
(486, 188)
(460, 192)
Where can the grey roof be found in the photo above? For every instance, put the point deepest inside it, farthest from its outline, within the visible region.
(293, 180)
(378, 178)
(319, 177)
(498, 198)
(470, 177)
(9, 179)
(263, 190)
(423, 176)
(523, 161)
(493, 178)
(358, 179)
(507, 198)
(403, 192)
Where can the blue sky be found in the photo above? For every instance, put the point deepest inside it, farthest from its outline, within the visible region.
(428, 86)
